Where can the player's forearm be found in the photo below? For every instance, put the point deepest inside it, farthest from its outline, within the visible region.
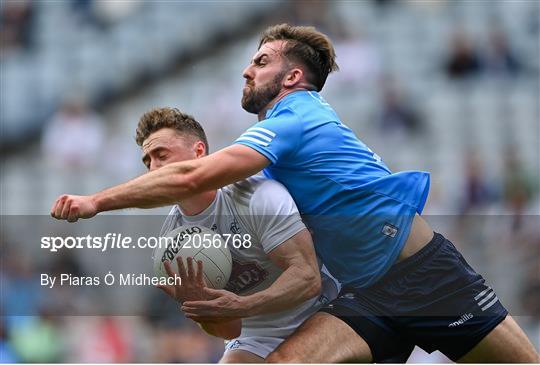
(293, 287)
(226, 330)
(164, 186)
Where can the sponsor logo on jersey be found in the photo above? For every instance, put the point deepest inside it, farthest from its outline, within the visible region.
(389, 230)
(258, 135)
(245, 276)
(235, 228)
(464, 318)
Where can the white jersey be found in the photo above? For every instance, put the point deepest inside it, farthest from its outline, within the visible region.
(264, 210)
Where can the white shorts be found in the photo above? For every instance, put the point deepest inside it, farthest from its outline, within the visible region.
(258, 345)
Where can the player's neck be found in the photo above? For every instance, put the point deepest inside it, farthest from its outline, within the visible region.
(198, 203)
(283, 93)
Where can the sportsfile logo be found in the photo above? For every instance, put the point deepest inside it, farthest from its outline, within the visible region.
(464, 318)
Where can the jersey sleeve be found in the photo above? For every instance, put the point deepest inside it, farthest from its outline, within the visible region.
(275, 137)
(274, 215)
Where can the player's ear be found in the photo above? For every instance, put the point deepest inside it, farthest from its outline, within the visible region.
(293, 77)
(200, 149)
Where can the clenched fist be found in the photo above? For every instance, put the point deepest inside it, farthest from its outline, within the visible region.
(73, 207)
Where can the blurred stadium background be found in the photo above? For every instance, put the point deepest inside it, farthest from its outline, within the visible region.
(451, 87)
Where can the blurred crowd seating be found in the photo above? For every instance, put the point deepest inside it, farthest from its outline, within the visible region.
(445, 86)
(100, 47)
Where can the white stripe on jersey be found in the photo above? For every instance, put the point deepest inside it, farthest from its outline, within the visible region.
(254, 140)
(486, 298)
(257, 135)
(264, 130)
(487, 306)
(482, 293)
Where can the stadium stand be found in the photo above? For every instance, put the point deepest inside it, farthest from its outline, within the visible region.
(125, 60)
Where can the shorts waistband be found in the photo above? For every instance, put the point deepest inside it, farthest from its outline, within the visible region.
(415, 260)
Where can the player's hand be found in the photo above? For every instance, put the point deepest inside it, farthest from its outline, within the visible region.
(220, 305)
(73, 207)
(191, 285)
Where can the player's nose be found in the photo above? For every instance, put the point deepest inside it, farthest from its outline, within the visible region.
(248, 73)
(154, 165)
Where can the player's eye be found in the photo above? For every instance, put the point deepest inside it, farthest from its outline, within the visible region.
(260, 62)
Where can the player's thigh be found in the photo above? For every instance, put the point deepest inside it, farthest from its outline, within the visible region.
(240, 356)
(323, 338)
(505, 343)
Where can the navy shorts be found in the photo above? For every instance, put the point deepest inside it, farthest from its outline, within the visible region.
(432, 299)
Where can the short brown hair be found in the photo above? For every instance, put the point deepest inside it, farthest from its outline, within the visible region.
(308, 46)
(160, 118)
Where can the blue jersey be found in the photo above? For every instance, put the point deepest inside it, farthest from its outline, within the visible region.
(360, 213)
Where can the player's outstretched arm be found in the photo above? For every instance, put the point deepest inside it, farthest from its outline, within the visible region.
(167, 185)
(299, 282)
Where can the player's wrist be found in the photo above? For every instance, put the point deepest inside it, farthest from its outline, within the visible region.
(252, 304)
(96, 202)
(247, 305)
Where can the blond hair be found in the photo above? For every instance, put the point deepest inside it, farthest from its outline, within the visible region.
(173, 118)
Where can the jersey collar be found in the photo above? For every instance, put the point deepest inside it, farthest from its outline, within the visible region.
(284, 101)
(205, 213)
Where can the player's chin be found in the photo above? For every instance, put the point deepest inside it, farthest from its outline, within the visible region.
(249, 106)
(246, 98)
